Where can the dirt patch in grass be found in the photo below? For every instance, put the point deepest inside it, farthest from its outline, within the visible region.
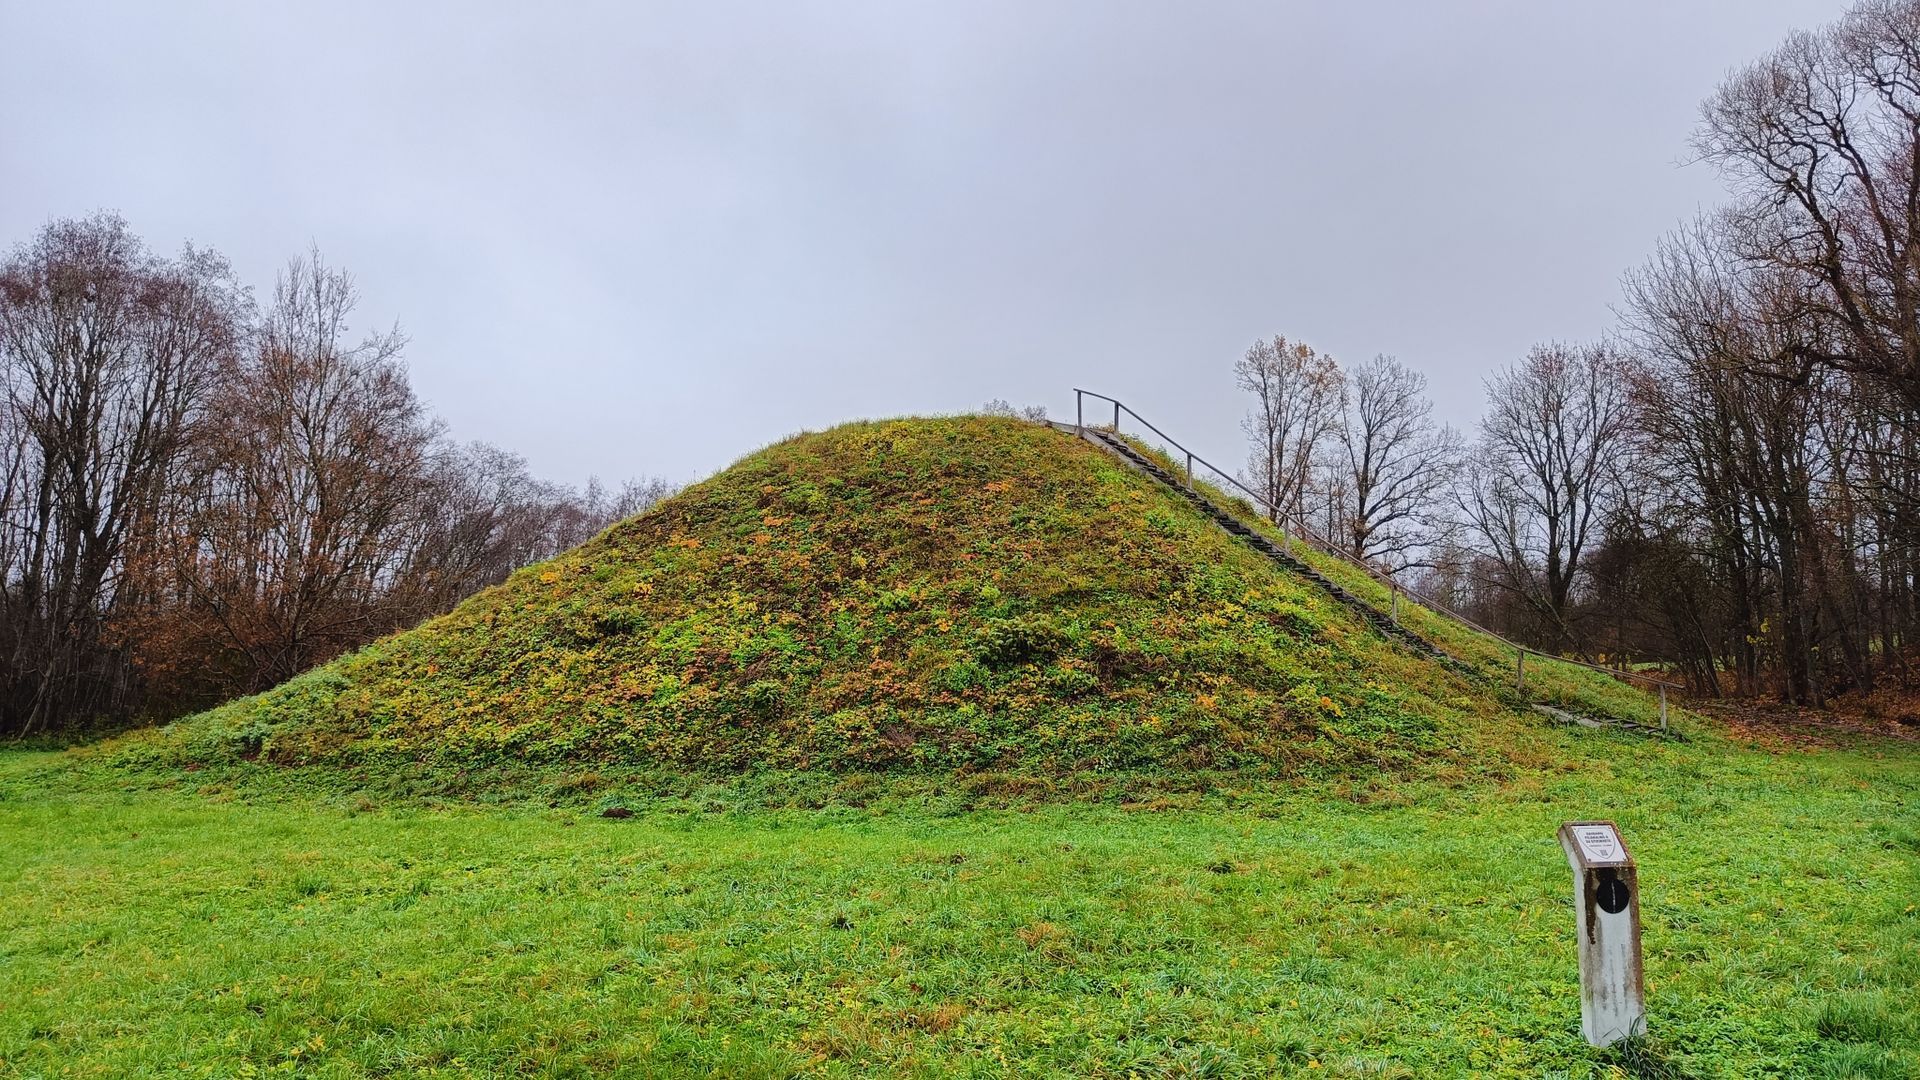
(1847, 721)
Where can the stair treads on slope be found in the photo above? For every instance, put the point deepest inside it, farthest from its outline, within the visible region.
(1374, 617)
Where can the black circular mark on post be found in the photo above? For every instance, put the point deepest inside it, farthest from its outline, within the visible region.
(1613, 895)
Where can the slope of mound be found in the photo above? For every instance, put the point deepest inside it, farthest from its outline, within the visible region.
(946, 593)
(1549, 681)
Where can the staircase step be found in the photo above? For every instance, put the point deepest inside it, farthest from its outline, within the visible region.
(1371, 615)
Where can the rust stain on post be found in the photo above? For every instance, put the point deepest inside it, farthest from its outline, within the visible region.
(1606, 885)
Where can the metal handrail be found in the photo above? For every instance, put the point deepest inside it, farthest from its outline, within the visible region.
(1327, 547)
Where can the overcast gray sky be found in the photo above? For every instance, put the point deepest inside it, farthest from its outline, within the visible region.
(646, 238)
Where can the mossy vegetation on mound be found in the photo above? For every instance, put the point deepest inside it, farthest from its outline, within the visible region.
(1549, 681)
(968, 593)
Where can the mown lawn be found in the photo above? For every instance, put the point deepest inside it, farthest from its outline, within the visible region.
(254, 926)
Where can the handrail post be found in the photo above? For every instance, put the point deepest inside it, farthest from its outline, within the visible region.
(1189, 469)
(1663, 708)
(1079, 412)
(1116, 418)
(1520, 669)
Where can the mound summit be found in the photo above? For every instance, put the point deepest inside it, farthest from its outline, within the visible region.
(942, 593)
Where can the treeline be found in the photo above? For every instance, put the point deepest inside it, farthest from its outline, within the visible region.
(202, 495)
(1729, 486)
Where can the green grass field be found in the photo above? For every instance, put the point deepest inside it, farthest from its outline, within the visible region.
(258, 921)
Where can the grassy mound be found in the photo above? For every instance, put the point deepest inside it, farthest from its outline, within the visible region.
(953, 593)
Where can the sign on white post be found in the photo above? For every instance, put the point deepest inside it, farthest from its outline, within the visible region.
(1606, 900)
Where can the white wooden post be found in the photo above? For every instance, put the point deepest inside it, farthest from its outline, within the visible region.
(1606, 903)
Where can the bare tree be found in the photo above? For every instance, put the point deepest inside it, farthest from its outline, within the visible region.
(1822, 138)
(1759, 451)
(1821, 142)
(1692, 324)
(579, 516)
(483, 515)
(1393, 465)
(1003, 407)
(1297, 394)
(196, 500)
(106, 355)
(306, 501)
(1547, 471)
